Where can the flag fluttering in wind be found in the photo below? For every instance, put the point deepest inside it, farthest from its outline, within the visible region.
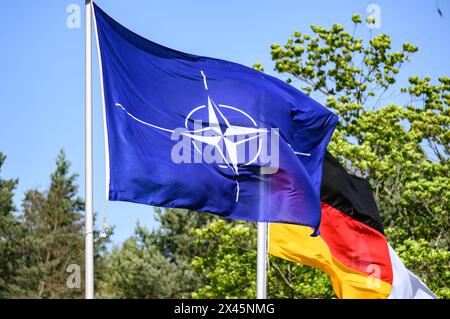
(206, 134)
(351, 248)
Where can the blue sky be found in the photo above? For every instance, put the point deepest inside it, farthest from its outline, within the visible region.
(42, 67)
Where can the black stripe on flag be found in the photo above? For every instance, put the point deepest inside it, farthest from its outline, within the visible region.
(350, 194)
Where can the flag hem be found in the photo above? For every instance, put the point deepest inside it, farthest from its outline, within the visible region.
(102, 92)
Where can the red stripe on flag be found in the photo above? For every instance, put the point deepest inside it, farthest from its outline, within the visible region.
(355, 244)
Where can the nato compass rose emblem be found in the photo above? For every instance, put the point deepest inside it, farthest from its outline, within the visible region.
(223, 136)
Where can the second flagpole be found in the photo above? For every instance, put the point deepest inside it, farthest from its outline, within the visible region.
(261, 262)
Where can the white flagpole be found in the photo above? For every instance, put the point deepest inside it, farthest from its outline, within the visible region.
(261, 260)
(89, 236)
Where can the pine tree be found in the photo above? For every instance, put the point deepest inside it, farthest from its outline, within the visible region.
(10, 234)
(175, 240)
(156, 264)
(54, 236)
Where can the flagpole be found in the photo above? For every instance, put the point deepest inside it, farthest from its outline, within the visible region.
(261, 260)
(89, 236)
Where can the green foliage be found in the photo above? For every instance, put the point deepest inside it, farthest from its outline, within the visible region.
(426, 262)
(37, 244)
(139, 270)
(53, 238)
(356, 18)
(338, 64)
(156, 264)
(229, 261)
(10, 232)
(258, 66)
(229, 265)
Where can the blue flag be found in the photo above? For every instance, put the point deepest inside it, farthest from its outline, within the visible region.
(206, 134)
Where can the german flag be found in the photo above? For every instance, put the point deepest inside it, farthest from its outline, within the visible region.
(351, 248)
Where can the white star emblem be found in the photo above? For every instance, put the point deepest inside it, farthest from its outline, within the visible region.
(216, 134)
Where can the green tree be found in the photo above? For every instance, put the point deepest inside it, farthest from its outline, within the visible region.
(138, 270)
(54, 236)
(431, 264)
(156, 264)
(40, 242)
(229, 265)
(10, 234)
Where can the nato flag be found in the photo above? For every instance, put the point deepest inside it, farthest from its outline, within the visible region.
(206, 134)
